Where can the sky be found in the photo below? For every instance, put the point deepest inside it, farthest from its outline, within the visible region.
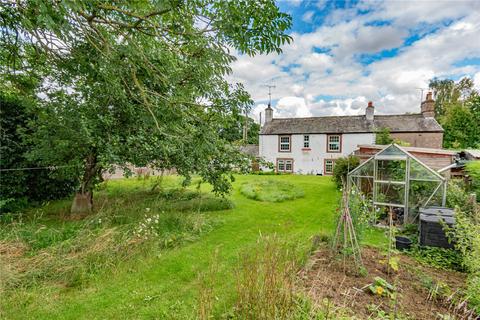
(346, 53)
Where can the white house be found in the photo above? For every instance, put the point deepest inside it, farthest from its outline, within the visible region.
(311, 145)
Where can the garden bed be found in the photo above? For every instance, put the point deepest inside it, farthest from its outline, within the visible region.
(421, 292)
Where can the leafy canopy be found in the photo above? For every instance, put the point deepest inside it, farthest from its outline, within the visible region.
(137, 82)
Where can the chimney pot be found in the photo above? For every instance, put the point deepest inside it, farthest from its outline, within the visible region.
(268, 114)
(370, 111)
(428, 106)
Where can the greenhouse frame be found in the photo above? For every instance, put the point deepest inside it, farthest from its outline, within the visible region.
(394, 178)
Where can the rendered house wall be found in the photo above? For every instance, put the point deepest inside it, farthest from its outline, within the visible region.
(310, 161)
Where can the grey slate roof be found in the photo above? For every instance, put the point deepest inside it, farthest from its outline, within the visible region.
(351, 124)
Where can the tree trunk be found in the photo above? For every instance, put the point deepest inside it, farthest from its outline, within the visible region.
(83, 201)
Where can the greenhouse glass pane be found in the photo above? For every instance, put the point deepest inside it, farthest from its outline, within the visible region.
(420, 192)
(389, 193)
(365, 185)
(391, 170)
(437, 198)
(392, 151)
(417, 171)
(365, 170)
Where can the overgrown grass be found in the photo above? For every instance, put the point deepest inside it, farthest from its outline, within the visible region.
(38, 246)
(122, 272)
(271, 190)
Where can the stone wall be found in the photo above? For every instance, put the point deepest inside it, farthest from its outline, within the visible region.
(421, 139)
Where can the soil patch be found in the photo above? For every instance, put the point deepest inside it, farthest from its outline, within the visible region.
(324, 278)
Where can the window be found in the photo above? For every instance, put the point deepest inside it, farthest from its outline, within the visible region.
(329, 164)
(284, 165)
(284, 144)
(334, 143)
(306, 141)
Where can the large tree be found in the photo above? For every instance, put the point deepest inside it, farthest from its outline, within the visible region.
(138, 82)
(457, 109)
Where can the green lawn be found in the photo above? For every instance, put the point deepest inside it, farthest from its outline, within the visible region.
(164, 284)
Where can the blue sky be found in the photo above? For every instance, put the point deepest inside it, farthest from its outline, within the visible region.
(346, 53)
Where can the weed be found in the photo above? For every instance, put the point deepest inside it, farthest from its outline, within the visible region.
(266, 281)
(73, 251)
(381, 287)
(442, 258)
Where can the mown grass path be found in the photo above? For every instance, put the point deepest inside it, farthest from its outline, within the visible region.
(164, 285)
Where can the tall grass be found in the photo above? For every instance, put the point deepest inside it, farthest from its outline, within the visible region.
(271, 191)
(265, 282)
(40, 246)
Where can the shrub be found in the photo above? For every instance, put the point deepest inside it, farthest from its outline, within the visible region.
(18, 188)
(271, 191)
(383, 137)
(467, 240)
(473, 169)
(342, 167)
(466, 234)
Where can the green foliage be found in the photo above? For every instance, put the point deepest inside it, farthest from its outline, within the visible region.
(442, 258)
(265, 283)
(467, 241)
(381, 287)
(466, 234)
(457, 109)
(137, 83)
(75, 251)
(462, 129)
(473, 170)
(18, 188)
(361, 210)
(383, 137)
(234, 126)
(271, 191)
(342, 167)
(153, 282)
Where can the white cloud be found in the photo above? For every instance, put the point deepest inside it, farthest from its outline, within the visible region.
(303, 74)
(308, 16)
(294, 3)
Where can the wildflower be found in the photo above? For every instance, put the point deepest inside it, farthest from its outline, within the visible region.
(147, 209)
(379, 290)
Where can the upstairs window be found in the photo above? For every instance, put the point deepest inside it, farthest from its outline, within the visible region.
(306, 141)
(284, 143)
(334, 143)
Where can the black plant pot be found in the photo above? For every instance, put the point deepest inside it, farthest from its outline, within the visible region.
(402, 243)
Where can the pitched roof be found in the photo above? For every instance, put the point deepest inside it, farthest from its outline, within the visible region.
(351, 124)
(411, 149)
(475, 153)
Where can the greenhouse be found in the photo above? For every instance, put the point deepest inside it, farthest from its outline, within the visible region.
(396, 180)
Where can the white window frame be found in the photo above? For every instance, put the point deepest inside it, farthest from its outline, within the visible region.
(332, 164)
(306, 141)
(282, 165)
(338, 143)
(282, 144)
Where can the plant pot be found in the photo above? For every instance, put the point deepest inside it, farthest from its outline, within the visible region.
(402, 243)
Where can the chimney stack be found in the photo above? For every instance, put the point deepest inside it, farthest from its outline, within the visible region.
(428, 106)
(268, 114)
(369, 112)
